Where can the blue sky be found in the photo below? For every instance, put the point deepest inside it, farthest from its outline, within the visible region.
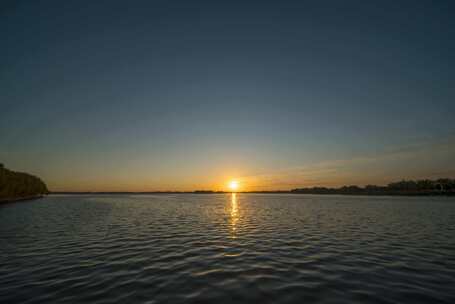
(156, 95)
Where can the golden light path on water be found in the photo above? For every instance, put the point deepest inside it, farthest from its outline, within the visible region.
(234, 215)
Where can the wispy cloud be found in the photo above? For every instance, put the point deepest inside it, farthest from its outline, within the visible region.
(421, 160)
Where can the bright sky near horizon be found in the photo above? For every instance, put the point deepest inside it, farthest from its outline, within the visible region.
(185, 95)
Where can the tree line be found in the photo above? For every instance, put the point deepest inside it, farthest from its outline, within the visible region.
(404, 187)
(15, 185)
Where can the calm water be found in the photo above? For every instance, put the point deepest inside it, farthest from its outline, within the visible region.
(248, 248)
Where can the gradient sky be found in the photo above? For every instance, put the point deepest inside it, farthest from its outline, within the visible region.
(184, 95)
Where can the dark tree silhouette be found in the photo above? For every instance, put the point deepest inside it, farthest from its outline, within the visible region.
(445, 186)
(15, 185)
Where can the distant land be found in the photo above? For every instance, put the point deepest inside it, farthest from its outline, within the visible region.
(442, 186)
(425, 187)
(15, 186)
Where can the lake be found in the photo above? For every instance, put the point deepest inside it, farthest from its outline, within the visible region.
(224, 248)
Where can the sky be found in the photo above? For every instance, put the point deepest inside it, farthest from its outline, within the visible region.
(186, 95)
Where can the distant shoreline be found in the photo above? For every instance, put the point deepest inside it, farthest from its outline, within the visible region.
(256, 192)
(20, 199)
(423, 187)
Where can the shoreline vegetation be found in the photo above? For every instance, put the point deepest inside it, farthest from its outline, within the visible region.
(426, 187)
(441, 186)
(19, 186)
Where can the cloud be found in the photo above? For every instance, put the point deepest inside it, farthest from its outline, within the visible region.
(420, 160)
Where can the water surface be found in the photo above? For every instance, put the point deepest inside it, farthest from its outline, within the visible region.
(223, 248)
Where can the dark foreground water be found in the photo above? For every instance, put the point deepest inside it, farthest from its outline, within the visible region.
(228, 249)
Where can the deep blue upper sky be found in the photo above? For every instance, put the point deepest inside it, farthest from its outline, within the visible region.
(143, 95)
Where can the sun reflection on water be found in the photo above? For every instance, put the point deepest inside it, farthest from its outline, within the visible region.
(234, 215)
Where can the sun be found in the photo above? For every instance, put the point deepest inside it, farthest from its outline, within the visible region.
(233, 185)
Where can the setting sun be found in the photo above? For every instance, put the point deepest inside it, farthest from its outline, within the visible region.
(233, 185)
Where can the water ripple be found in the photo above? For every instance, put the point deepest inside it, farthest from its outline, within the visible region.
(228, 249)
